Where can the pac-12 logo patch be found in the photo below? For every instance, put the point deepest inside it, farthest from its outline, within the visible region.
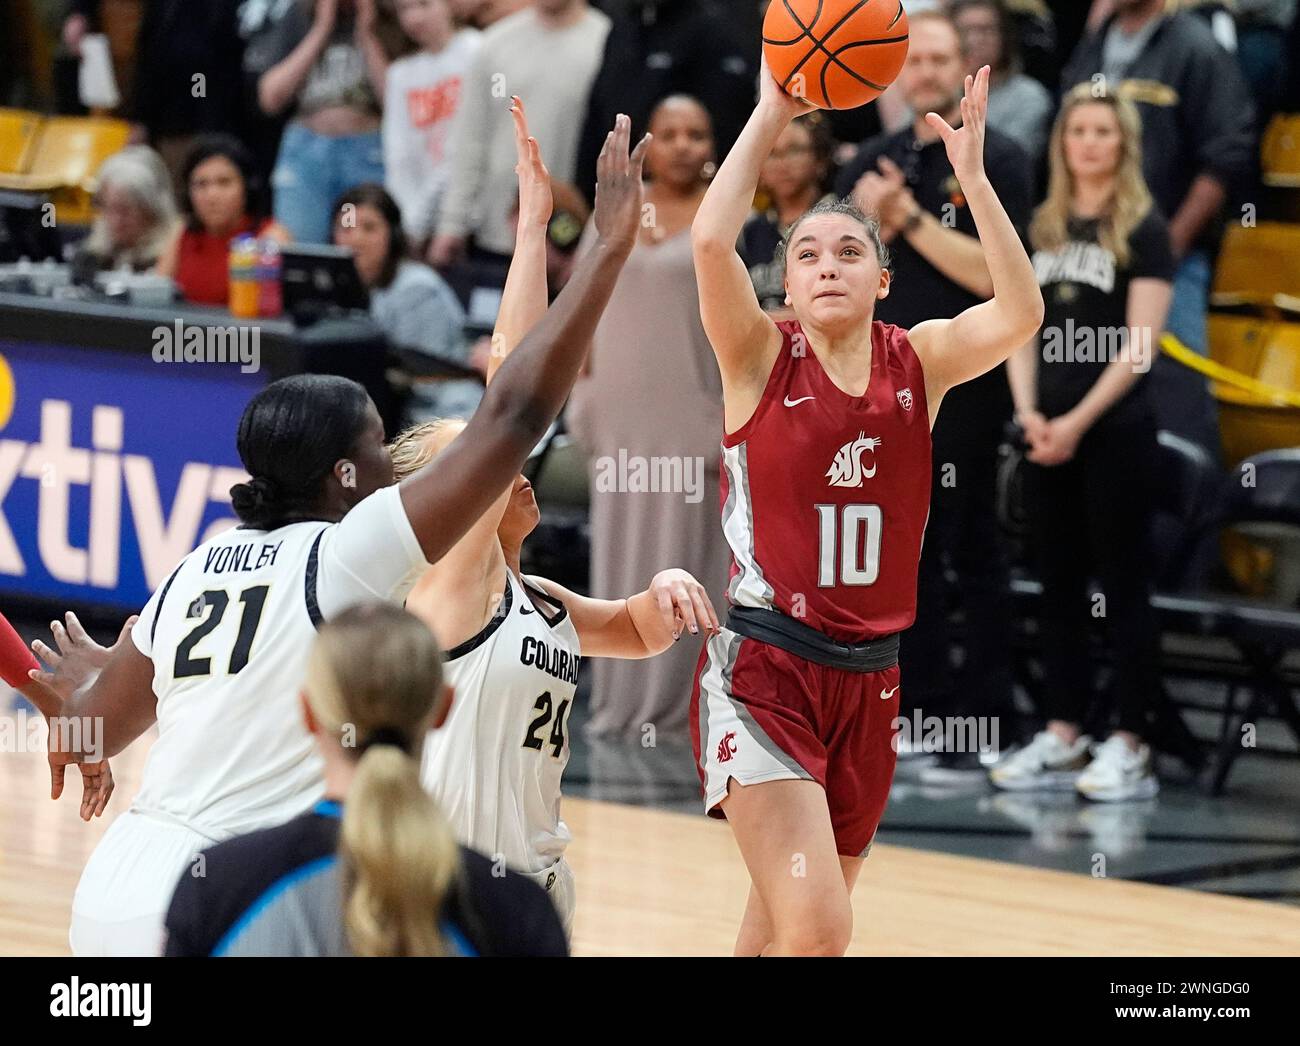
(727, 747)
(905, 398)
(846, 470)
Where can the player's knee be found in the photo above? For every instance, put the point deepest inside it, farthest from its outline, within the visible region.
(822, 939)
(823, 930)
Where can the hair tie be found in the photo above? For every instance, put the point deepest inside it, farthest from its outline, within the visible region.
(385, 735)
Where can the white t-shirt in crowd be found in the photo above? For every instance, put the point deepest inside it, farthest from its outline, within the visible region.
(421, 97)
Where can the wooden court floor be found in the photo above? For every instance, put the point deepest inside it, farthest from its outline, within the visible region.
(656, 883)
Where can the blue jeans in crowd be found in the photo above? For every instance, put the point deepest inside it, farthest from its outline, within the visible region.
(313, 170)
(1181, 396)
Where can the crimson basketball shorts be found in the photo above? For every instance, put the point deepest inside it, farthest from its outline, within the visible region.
(760, 713)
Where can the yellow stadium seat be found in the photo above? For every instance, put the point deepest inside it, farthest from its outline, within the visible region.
(1259, 266)
(68, 152)
(1280, 151)
(18, 131)
(1269, 352)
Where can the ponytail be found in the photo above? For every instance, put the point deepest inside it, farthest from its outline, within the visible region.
(375, 673)
(399, 858)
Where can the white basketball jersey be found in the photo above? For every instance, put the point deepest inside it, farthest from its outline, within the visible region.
(228, 633)
(495, 765)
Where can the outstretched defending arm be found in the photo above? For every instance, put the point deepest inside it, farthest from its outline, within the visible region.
(524, 300)
(472, 568)
(444, 499)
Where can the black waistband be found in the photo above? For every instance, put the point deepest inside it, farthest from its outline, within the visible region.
(771, 626)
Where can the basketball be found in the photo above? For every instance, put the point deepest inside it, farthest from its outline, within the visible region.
(836, 54)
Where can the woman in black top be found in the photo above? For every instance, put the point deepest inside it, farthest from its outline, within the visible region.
(1104, 264)
(373, 869)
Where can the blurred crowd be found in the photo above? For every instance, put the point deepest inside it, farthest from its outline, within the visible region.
(1123, 135)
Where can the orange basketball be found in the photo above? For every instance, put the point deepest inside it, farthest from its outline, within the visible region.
(836, 54)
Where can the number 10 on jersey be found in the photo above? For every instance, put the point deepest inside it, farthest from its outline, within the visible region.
(848, 544)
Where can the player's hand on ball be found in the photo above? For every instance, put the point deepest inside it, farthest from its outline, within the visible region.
(619, 192)
(535, 200)
(965, 145)
(683, 603)
(78, 659)
(772, 96)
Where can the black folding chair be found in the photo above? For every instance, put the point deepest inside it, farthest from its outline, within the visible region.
(1261, 500)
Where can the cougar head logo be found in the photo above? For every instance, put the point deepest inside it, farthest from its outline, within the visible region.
(846, 470)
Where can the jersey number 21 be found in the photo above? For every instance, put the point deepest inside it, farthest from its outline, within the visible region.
(217, 601)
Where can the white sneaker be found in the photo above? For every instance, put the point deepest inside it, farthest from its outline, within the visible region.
(1117, 773)
(1046, 763)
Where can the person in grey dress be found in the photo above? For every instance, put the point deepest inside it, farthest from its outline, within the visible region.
(648, 412)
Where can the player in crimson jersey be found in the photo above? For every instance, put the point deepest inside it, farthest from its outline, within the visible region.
(826, 492)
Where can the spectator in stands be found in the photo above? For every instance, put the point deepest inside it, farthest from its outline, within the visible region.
(373, 869)
(653, 392)
(329, 74)
(1197, 145)
(225, 197)
(257, 22)
(27, 53)
(479, 14)
(119, 21)
(793, 179)
(657, 48)
(549, 54)
(905, 179)
(135, 213)
(1262, 50)
(186, 76)
(1019, 107)
(1216, 14)
(1037, 40)
(420, 102)
(408, 300)
(1103, 259)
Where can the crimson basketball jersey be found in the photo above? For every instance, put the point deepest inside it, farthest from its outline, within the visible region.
(825, 496)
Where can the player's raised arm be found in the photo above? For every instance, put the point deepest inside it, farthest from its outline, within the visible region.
(977, 340)
(473, 561)
(742, 335)
(444, 499)
(523, 303)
